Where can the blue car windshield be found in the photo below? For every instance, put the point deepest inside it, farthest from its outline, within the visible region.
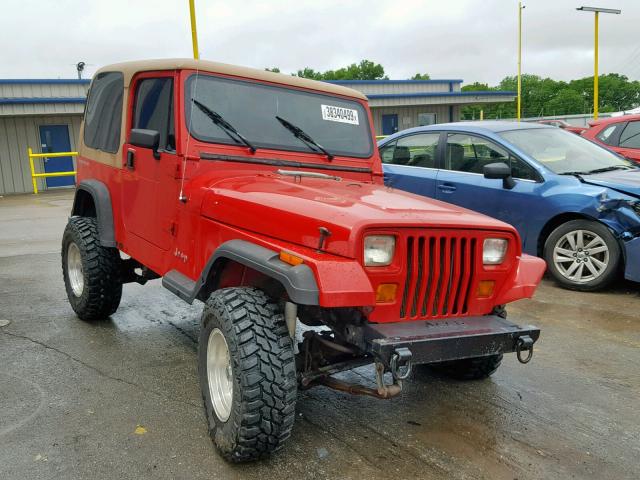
(565, 153)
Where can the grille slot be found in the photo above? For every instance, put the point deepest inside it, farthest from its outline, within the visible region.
(439, 274)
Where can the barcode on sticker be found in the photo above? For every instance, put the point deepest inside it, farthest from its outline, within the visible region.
(340, 114)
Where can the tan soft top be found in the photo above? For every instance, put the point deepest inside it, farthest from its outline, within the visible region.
(129, 69)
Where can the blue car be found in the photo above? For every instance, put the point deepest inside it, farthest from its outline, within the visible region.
(574, 203)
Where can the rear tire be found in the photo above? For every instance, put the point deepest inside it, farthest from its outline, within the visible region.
(573, 265)
(91, 272)
(248, 382)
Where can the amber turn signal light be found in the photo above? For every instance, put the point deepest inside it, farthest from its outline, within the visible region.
(386, 292)
(290, 258)
(485, 288)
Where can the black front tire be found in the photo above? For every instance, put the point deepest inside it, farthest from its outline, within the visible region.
(101, 288)
(263, 373)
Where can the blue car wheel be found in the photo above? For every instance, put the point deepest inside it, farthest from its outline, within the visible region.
(582, 255)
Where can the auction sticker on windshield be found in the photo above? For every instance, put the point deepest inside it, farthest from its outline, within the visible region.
(340, 114)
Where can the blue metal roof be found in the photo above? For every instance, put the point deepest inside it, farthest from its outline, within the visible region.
(488, 93)
(35, 81)
(364, 82)
(32, 100)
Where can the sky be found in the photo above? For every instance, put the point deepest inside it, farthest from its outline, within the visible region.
(474, 40)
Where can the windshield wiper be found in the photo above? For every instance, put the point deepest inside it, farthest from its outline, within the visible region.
(611, 169)
(302, 173)
(302, 135)
(223, 124)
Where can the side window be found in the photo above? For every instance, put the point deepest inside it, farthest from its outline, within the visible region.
(416, 150)
(521, 169)
(386, 152)
(468, 153)
(630, 137)
(606, 135)
(103, 114)
(153, 109)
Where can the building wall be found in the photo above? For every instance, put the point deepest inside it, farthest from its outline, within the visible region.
(16, 135)
(19, 97)
(408, 116)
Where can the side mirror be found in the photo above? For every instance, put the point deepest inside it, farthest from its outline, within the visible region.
(498, 171)
(146, 139)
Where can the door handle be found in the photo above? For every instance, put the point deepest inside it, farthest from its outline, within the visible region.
(130, 159)
(447, 188)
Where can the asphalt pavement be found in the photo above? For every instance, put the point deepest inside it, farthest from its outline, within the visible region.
(119, 399)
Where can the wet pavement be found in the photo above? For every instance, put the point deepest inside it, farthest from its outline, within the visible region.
(120, 399)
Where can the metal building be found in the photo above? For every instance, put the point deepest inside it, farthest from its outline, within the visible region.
(401, 104)
(44, 115)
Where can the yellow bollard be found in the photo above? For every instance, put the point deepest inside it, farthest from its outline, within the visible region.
(33, 171)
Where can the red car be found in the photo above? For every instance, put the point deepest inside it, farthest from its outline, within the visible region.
(620, 134)
(564, 125)
(262, 196)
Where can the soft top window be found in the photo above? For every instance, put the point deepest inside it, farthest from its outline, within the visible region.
(341, 126)
(103, 114)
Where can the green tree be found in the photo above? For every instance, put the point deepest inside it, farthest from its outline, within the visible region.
(365, 70)
(567, 101)
(421, 76)
(274, 70)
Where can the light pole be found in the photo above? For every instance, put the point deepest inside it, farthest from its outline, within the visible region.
(520, 8)
(597, 11)
(194, 33)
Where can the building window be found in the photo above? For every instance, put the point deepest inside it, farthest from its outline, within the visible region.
(426, 119)
(103, 115)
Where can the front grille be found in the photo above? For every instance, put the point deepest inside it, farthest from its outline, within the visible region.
(439, 275)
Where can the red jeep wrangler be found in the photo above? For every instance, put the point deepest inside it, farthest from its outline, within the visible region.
(262, 196)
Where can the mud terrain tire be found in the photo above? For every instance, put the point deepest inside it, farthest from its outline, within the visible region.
(91, 272)
(260, 409)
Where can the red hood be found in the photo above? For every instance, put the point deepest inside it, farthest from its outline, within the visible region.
(293, 209)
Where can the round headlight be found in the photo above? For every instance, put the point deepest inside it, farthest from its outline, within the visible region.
(494, 250)
(378, 250)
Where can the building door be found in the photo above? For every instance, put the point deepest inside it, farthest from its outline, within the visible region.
(55, 138)
(389, 124)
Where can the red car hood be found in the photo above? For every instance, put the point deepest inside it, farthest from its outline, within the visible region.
(293, 209)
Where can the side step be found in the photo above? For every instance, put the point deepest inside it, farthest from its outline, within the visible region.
(180, 285)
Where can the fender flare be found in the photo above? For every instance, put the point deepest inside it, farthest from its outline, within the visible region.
(299, 281)
(104, 211)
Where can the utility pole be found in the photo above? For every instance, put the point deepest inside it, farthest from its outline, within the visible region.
(194, 33)
(597, 12)
(519, 112)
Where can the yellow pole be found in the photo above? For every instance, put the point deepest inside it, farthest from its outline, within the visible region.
(595, 71)
(519, 60)
(194, 33)
(481, 114)
(33, 171)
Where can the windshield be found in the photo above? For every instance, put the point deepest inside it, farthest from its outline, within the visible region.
(341, 126)
(563, 152)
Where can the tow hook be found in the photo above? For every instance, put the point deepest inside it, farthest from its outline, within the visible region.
(400, 363)
(525, 342)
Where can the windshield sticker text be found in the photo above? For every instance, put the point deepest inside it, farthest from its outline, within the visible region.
(340, 114)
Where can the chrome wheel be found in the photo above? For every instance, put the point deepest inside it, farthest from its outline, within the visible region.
(219, 374)
(74, 269)
(581, 256)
